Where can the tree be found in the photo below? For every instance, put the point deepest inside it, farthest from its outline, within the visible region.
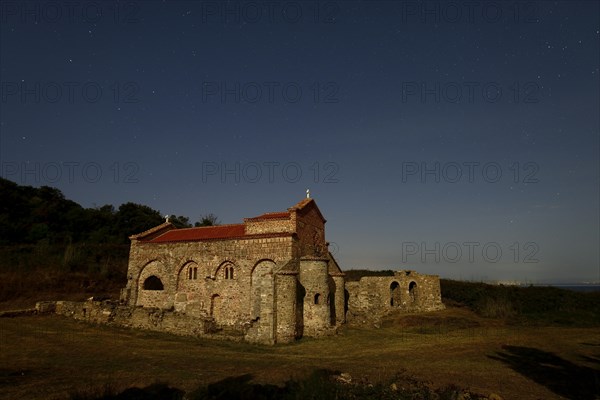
(208, 220)
(135, 218)
(180, 221)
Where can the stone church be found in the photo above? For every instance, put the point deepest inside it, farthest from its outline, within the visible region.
(270, 278)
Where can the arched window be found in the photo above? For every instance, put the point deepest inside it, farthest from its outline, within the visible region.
(153, 283)
(229, 272)
(192, 272)
(317, 298)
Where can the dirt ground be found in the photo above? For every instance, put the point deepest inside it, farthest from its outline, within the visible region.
(44, 357)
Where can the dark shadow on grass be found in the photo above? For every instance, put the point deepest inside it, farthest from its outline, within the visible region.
(321, 384)
(13, 377)
(591, 359)
(237, 387)
(557, 374)
(157, 391)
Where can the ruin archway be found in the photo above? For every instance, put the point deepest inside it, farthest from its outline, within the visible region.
(412, 292)
(395, 300)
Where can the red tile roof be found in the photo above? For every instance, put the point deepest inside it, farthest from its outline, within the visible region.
(219, 232)
(201, 233)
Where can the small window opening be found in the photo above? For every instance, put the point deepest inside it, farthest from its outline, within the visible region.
(317, 298)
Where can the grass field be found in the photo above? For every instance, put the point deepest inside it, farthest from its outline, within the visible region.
(44, 357)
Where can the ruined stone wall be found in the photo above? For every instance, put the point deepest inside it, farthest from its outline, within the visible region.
(373, 297)
(136, 317)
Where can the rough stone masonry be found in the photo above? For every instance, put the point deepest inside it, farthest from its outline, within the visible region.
(270, 279)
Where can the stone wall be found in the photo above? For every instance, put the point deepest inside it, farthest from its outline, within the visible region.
(230, 281)
(155, 319)
(268, 225)
(221, 268)
(285, 303)
(373, 297)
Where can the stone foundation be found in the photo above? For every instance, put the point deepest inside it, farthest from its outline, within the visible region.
(112, 313)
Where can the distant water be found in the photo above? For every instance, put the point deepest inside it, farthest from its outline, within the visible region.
(578, 288)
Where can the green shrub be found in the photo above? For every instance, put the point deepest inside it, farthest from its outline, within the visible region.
(533, 304)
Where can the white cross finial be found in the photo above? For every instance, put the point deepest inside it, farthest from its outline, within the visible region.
(308, 193)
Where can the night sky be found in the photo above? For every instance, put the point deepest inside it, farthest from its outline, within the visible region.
(460, 139)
